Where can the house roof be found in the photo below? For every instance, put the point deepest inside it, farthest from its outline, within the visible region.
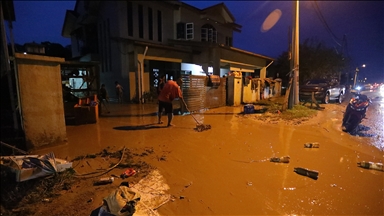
(222, 10)
(69, 23)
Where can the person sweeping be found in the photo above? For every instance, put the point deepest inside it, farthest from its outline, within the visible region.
(170, 91)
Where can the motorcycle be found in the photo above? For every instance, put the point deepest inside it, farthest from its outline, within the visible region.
(355, 112)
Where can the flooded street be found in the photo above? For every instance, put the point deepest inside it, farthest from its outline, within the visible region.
(226, 170)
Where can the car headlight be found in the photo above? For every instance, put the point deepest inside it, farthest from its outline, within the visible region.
(358, 88)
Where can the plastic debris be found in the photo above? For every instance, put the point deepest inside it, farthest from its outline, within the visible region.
(127, 173)
(104, 181)
(312, 145)
(284, 159)
(371, 165)
(313, 174)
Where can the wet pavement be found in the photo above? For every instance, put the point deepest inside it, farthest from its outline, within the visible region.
(227, 167)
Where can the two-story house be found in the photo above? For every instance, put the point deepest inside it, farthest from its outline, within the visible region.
(138, 41)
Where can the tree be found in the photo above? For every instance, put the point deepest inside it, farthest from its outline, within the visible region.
(56, 50)
(315, 61)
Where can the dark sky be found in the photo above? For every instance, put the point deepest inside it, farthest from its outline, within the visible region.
(361, 21)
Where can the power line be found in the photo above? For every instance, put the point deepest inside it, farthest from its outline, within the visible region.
(321, 17)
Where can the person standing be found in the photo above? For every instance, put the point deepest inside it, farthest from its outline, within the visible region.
(119, 92)
(104, 99)
(161, 84)
(170, 91)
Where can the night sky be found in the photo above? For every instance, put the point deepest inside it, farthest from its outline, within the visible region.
(361, 21)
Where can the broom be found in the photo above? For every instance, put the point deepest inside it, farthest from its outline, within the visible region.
(199, 126)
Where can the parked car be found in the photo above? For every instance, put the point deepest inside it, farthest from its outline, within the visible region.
(324, 90)
(368, 86)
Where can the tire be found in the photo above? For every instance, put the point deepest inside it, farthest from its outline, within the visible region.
(326, 98)
(350, 124)
(341, 97)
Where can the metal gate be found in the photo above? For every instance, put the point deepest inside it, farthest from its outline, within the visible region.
(198, 95)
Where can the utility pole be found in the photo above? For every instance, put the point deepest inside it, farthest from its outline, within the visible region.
(294, 89)
(296, 53)
(354, 80)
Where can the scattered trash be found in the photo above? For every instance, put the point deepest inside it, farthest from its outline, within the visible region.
(115, 176)
(181, 197)
(284, 159)
(249, 109)
(127, 173)
(186, 186)
(306, 172)
(371, 165)
(124, 183)
(46, 200)
(291, 188)
(122, 201)
(333, 185)
(249, 183)
(312, 145)
(28, 167)
(104, 181)
(90, 200)
(202, 127)
(153, 190)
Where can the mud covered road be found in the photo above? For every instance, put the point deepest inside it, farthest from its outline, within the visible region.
(226, 170)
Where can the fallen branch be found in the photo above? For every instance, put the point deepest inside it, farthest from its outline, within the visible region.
(12, 147)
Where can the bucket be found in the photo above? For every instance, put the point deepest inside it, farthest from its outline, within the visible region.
(249, 108)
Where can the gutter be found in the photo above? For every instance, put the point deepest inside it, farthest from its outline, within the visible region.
(269, 64)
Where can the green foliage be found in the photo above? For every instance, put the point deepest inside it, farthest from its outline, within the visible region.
(319, 61)
(274, 107)
(316, 60)
(298, 112)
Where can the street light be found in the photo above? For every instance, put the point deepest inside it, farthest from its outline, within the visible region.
(356, 71)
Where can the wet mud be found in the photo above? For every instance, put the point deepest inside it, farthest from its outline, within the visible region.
(228, 170)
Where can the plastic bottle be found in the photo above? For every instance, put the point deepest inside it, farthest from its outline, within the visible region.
(313, 174)
(104, 181)
(127, 173)
(284, 159)
(312, 145)
(371, 165)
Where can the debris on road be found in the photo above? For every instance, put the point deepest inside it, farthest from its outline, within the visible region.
(306, 172)
(127, 173)
(28, 167)
(143, 198)
(312, 145)
(104, 181)
(371, 165)
(122, 201)
(202, 127)
(284, 159)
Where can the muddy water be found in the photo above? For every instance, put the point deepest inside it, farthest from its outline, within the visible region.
(226, 171)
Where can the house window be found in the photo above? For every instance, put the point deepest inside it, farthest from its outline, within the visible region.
(130, 18)
(159, 27)
(180, 33)
(189, 27)
(150, 24)
(228, 41)
(208, 33)
(141, 21)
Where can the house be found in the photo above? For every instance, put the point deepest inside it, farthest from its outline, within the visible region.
(138, 41)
